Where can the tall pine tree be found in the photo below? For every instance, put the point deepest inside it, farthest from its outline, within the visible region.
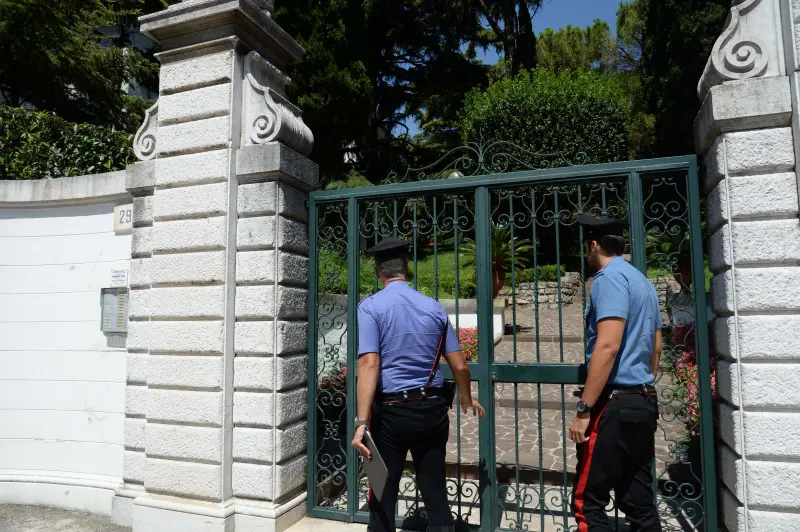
(372, 67)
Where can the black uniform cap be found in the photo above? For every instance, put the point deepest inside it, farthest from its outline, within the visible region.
(596, 228)
(390, 248)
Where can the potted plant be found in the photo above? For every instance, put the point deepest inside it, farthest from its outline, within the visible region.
(503, 249)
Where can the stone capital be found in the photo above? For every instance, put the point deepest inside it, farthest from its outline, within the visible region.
(200, 21)
(755, 103)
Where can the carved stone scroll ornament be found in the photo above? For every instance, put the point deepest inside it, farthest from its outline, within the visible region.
(144, 142)
(738, 52)
(268, 115)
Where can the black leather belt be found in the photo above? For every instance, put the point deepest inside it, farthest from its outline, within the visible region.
(413, 394)
(640, 389)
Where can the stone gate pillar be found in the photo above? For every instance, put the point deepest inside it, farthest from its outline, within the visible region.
(215, 430)
(747, 135)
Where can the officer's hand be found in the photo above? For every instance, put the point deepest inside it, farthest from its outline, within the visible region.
(358, 443)
(477, 409)
(578, 429)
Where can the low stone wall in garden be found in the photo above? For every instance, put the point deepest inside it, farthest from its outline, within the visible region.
(571, 291)
(548, 291)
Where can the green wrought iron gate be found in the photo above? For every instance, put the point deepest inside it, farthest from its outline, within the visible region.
(516, 233)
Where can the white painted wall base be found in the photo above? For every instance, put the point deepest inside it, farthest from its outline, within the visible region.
(95, 500)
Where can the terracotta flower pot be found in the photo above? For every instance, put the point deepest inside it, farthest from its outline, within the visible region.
(498, 280)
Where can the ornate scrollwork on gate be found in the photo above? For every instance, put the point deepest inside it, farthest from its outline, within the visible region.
(331, 445)
(483, 158)
(678, 469)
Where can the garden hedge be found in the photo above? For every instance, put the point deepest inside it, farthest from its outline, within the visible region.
(40, 145)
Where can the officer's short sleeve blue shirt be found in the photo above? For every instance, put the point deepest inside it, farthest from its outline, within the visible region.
(404, 327)
(622, 291)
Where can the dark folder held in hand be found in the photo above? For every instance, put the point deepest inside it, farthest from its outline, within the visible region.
(376, 469)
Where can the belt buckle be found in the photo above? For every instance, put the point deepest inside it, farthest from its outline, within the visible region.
(424, 394)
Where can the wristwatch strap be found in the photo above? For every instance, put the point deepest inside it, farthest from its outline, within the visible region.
(360, 423)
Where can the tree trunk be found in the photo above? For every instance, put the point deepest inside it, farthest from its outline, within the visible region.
(526, 38)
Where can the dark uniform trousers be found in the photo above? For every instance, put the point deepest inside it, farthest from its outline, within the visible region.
(618, 455)
(421, 426)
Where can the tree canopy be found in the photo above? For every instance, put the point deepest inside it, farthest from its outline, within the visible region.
(573, 48)
(376, 69)
(677, 39)
(373, 66)
(73, 57)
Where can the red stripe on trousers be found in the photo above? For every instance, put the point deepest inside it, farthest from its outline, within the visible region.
(588, 449)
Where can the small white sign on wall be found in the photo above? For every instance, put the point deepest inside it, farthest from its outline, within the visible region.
(123, 218)
(119, 278)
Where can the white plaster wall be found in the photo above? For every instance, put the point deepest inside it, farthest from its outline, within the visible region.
(62, 389)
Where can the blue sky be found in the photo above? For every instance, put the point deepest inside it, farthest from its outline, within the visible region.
(558, 14)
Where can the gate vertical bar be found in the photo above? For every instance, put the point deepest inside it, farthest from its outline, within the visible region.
(457, 324)
(636, 222)
(313, 272)
(703, 357)
(353, 290)
(483, 235)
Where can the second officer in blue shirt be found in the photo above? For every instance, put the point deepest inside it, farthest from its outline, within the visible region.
(618, 411)
(401, 392)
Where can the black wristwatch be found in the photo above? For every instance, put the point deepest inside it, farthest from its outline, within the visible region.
(583, 408)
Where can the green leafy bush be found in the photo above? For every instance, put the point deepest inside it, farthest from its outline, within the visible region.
(546, 274)
(39, 145)
(547, 112)
(332, 269)
(446, 284)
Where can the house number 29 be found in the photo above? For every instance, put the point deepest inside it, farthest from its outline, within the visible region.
(123, 218)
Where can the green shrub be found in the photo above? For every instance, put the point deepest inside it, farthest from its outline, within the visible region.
(546, 112)
(468, 289)
(39, 145)
(446, 284)
(546, 274)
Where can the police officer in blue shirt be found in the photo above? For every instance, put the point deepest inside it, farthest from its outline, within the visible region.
(401, 392)
(615, 425)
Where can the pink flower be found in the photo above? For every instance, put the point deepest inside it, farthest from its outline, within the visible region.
(468, 338)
